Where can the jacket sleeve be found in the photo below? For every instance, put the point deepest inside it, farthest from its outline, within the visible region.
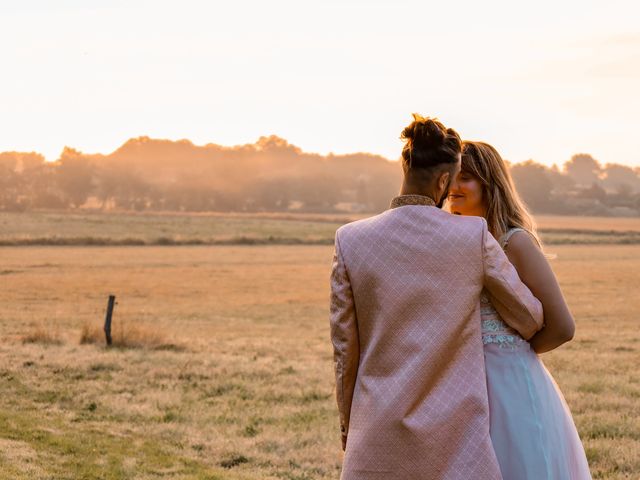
(344, 336)
(510, 297)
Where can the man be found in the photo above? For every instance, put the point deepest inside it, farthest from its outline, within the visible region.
(405, 326)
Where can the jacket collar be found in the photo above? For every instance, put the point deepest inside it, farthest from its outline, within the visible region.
(404, 200)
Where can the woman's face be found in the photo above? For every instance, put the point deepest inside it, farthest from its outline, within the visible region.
(465, 196)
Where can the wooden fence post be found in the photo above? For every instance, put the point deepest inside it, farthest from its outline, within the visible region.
(107, 320)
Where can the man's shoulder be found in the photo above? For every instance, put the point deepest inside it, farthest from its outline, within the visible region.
(465, 222)
(444, 219)
(412, 214)
(467, 230)
(363, 225)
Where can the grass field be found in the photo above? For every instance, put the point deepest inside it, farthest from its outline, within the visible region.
(49, 228)
(241, 384)
(132, 229)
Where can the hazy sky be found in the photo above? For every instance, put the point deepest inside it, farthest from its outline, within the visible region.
(539, 80)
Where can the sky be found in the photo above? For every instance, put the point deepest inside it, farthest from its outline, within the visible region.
(539, 80)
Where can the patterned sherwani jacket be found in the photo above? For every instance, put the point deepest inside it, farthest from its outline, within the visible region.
(405, 326)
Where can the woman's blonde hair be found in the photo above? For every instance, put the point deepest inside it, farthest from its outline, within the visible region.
(505, 208)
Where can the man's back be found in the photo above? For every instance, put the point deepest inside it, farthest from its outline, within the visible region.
(405, 325)
(419, 404)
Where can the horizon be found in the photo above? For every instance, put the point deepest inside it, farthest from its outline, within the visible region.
(340, 77)
(559, 166)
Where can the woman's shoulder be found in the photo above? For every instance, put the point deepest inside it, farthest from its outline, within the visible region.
(521, 246)
(513, 232)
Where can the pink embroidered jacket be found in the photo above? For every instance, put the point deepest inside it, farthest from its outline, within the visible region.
(405, 326)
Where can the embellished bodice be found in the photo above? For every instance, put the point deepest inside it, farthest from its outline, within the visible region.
(494, 329)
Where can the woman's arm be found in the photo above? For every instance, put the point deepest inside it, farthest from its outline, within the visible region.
(511, 298)
(535, 272)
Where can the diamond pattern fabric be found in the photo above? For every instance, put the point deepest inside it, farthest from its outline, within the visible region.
(405, 326)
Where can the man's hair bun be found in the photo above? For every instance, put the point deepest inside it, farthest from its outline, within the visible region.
(429, 143)
(424, 132)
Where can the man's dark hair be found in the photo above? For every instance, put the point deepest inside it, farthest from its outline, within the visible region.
(429, 144)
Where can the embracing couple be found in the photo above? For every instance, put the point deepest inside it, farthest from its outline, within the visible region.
(437, 316)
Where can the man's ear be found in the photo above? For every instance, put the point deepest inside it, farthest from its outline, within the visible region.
(443, 180)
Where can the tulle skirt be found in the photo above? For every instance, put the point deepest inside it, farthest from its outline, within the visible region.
(532, 431)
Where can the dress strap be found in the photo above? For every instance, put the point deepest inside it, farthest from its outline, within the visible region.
(504, 240)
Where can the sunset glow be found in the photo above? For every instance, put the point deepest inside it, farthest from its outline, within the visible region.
(543, 82)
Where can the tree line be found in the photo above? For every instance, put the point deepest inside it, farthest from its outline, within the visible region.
(271, 175)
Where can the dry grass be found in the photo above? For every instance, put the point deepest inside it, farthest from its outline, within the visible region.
(619, 224)
(128, 335)
(98, 229)
(19, 459)
(43, 334)
(252, 397)
(152, 229)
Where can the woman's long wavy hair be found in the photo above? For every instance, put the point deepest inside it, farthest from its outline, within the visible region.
(505, 208)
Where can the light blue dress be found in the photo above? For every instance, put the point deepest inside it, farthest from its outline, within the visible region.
(532, 430)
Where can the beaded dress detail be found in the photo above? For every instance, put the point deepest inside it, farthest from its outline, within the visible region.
(494, 330)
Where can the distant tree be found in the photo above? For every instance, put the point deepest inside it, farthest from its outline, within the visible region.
(583, 168)
(107, 178)
(624, 190)
(622, 196)
(132, 192)
(319, 193)
(277, 145)
(227, 201)
(75, 176)
(271, 195)
(9, 161)
(615, 175)
(382, 189)
(29, 160)
(362, 192)
(533, 185)
(9, 182)
(560, 181)
(595, 192)
(25, 180)
(272, 175)
(39, 185)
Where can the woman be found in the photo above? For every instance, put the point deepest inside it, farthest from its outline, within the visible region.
(532, 431)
